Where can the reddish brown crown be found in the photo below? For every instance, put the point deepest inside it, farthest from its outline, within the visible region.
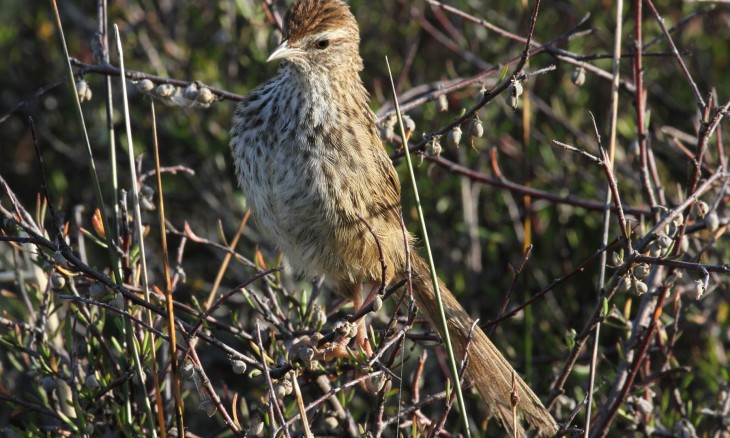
(309, 17)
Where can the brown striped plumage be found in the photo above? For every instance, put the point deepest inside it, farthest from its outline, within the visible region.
(310, 160)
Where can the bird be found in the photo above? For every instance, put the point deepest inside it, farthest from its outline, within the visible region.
(317, 177)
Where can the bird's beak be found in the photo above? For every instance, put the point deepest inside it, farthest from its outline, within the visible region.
(284, 51)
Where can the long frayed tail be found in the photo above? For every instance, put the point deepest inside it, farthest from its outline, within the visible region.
(487, 369)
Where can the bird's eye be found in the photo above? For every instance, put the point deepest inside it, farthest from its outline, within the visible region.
(323, 44)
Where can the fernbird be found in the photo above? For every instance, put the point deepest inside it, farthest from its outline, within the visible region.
(317, 177)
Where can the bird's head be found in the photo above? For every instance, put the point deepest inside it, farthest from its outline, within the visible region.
(320, 34)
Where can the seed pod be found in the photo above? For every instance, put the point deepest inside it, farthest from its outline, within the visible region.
(453, 138)
(145, 85)
(578, 77)
(165, 90)
(442, 103)
(239, 366)
(476, 129)
(712, 222)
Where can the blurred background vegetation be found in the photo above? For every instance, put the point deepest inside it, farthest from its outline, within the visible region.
(479, 232)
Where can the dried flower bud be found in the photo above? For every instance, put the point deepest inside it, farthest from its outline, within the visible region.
(453, 137)
(206, 97)
(670, 229)
(578, 77)
(377, 303)
(117, 300)
(699, 289)
(91, 382)
(306, 354)
(642, 405)
(408, 124)
(712, 222)
(49, 383)
(331, 422)
(60, 260)
(654, 249)
(187, 370)
(476, 129)
(58, 281)
(145, 85)
(387, 132)
(83, 90)
(640, 288)
(98, 291)
(515, 91)
(239, 366)
(700, 208)
(283, 388)
(256, 429)
(442, 103)
(678, 220)
(624, 284)
(480, 94)
(616, 258)
(165, 90)
(676, 275)
(684, 245)
(208, 406)
(320, 317)
(191, 91)
(434, 148)
(641, 271)
(664, 241)
(634, 148)
(684, 429)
